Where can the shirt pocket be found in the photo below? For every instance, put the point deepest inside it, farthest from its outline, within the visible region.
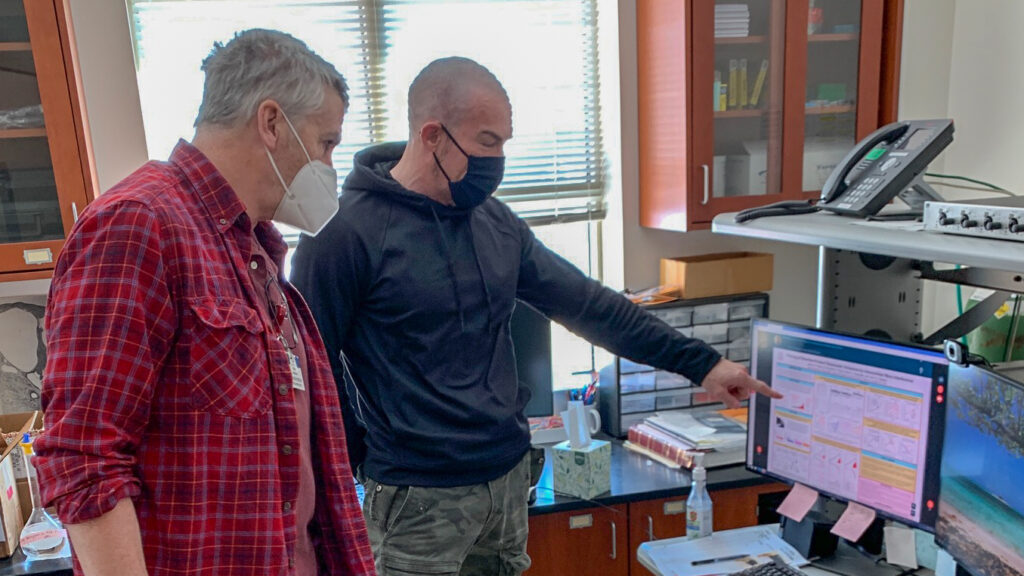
(229, 360)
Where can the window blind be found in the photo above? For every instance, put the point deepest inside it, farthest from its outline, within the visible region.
(544, 52)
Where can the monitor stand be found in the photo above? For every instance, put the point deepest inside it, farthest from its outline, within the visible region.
(812, 537)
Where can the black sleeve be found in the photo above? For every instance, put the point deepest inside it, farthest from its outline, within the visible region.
(564, 294)
(332, 272)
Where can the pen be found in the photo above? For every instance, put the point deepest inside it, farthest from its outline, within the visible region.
(715, 560)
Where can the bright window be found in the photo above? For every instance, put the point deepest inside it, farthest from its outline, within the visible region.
(543, 51)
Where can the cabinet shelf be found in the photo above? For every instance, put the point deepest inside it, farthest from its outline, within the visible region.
(831, 37)
(23, 133)
(742, 40)
(15, 47)
(748, 113)
(844, 109)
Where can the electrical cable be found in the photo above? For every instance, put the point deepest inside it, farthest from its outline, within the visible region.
(988, 185)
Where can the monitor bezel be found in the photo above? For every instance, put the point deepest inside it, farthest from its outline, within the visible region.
(933, 456)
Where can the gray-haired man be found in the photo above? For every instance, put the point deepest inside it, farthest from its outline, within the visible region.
(194, 426)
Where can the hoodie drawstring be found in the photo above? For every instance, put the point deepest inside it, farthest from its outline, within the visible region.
(451, 268)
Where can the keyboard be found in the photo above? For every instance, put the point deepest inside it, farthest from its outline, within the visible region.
(776, 568)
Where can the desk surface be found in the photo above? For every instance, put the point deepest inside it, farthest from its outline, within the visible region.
(845, 233)
(846, 560)
(636, 477)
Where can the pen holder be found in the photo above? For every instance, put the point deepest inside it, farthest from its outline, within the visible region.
(585, 472)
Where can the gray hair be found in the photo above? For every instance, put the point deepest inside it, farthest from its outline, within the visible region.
(258, 65)
(444, 90)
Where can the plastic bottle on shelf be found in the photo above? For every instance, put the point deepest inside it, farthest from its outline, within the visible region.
(43, 536)
(698, 505)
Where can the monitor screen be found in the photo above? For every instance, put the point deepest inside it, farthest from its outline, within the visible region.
(531, 339)
(861, 419)
(981, 507)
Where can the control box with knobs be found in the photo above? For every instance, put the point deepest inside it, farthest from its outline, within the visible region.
(997, 218)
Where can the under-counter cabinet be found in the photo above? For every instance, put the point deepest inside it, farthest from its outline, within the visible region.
(747, 102)
(602, 540)
(46, 177)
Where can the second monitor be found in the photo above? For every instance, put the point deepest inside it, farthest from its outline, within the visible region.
(862, 420)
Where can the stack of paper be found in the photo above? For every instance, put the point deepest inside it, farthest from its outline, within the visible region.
(732, 20)
(721, 553)
(707, 430)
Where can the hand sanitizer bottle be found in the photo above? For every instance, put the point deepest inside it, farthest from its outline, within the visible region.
(42, 536)
(698, 505)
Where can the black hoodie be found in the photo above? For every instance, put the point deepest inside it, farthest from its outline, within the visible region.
(413, 300)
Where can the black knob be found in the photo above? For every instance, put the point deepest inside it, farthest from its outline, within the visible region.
(945, 220)
(1015, 226)
(991, 224)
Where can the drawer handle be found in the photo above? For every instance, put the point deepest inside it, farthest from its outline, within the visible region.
(650, 529)
(704, 167)
(614, 539)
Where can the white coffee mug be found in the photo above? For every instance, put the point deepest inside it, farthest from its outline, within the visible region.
(580, 422)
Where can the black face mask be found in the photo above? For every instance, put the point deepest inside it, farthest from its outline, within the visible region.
(483, 174)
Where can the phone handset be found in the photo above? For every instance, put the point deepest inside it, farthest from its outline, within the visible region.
(836, 183)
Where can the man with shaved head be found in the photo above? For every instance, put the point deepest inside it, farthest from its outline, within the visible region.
(412, 285)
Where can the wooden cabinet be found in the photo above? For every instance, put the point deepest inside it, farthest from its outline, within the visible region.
(654, 520)
(45, 169)
(604, 540)
(589, 541)
(747, 102)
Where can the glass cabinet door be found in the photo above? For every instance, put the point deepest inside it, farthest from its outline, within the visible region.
(30, 209)
(830, 99)
(739, 62)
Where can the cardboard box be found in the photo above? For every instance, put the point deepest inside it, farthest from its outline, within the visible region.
(718, 274)
(583, 473)
(12, 517)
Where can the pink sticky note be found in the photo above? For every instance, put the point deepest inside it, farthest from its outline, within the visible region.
(798, 502)
(854, 521)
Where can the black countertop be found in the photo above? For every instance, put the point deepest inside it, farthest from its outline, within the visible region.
(634, 478)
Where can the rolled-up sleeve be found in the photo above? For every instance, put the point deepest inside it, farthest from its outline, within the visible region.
(110, 320)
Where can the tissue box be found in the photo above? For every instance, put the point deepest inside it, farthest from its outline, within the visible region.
(584, 473)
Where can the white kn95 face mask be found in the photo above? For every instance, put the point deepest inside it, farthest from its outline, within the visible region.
(311, 200)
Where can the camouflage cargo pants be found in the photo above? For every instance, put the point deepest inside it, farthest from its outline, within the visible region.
(477, 530)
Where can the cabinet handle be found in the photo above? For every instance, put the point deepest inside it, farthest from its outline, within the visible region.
(74, 211)
(707, 176)
(650, 529)
(614, 553)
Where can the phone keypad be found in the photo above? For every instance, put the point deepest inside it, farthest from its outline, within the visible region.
(862, 192)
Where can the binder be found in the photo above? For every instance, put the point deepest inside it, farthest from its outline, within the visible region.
(734, 83)
(759, 83)
(743, 83)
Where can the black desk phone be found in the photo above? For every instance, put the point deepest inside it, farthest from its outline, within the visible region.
(889, 162)
(884, 165)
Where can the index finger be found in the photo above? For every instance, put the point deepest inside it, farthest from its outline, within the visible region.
(766, 390)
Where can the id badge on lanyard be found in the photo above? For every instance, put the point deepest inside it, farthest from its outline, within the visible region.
(296, 369)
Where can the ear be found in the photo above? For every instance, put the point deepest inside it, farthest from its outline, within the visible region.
(270, 123)
(432, 135)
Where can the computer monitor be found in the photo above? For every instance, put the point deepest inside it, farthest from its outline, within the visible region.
(531, 339)
(861, 420)
(981, 505)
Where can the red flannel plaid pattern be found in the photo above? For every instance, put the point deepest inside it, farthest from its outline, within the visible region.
(165, 383)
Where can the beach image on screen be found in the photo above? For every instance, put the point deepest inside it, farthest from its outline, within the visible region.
(981, 508)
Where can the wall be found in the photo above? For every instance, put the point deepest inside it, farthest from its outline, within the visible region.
(961, 61)
(103, 37)
(796, 267)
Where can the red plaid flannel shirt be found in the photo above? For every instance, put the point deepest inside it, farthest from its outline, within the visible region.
(166, 384)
